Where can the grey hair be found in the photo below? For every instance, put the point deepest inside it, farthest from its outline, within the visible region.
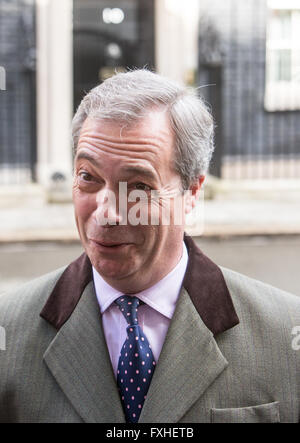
(126, 97)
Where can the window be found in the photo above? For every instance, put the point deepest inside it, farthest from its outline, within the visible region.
(283, 56)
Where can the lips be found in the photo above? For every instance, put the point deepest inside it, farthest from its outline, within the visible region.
(107, 244)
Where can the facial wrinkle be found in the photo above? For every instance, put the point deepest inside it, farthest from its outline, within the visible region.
(161, 139)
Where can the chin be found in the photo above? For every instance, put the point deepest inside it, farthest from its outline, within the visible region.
(111, 269)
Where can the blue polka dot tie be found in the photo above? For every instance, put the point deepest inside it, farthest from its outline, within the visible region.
(136, 362)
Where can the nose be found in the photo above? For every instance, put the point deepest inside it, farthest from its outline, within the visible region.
(107, 211)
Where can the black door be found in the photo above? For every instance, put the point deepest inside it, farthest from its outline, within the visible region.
(110, 35)
(17, 101)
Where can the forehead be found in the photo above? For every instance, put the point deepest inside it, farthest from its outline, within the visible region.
(150, 138)
(155, 119)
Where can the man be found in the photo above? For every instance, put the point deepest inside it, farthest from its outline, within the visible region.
(143, 327)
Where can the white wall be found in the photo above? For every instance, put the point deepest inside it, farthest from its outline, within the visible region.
(176, 30)
(54, 88)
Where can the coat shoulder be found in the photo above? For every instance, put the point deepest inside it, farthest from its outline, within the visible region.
(28, 299)
(253, 296)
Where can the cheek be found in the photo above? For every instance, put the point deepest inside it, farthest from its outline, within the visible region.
(84, 204)
(168, 211)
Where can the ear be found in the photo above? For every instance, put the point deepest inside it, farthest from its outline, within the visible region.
(193, 194)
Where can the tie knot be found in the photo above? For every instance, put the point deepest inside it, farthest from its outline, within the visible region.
(128, 305)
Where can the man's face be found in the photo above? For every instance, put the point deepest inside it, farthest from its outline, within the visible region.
(130, 257)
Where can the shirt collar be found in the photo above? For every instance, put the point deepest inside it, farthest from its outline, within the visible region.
(155, 296)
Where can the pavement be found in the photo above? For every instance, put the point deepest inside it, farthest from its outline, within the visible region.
(274, 260)
(238, 217)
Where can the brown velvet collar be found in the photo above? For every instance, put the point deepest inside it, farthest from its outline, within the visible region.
(203, 281)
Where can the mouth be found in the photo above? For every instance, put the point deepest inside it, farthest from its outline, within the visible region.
(106, 246)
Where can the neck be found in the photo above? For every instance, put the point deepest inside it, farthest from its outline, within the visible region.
(134, 284)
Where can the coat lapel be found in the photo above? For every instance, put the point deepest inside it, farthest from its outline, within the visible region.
(189, 363)
(80, 363)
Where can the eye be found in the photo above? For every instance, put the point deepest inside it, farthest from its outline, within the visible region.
(142, 187)
(85, 176)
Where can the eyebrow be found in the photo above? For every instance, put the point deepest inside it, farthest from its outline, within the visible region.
(85, 156)
(138, 170)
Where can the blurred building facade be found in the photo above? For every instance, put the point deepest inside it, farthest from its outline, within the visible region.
(250, 52)
(247, 53)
